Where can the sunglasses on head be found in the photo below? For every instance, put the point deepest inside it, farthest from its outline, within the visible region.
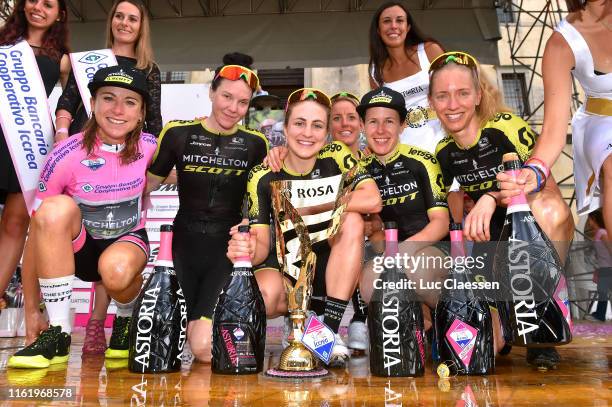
(456, 57)
(344, 95)
(235, 72)
(308, 94)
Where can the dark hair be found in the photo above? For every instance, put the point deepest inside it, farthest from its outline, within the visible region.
(234, 58)
(575, 5)
(238, 58)
(378, 50)
(597, 217)
(55, 40)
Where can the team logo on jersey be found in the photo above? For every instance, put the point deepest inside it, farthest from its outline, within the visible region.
(237, 140)
(94, 163)
(483, 142)
(87, 188)
(217, 151)
(42, 187)
(92, 58)
(387, 180)
(315, 174)
(398, 165)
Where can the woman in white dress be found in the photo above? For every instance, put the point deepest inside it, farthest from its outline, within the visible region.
(581, 45)
(399, 59)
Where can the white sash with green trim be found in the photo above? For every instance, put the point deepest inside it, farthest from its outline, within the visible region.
(24, 115)
(85, 65)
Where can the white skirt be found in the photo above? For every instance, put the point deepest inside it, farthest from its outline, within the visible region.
(592, 140)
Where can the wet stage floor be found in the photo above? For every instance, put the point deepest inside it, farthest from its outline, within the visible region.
(582, 379)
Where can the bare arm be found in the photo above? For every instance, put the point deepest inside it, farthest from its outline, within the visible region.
(364, 199)
(65, 68)
(455, 205)
(433, 50)
(556, 68)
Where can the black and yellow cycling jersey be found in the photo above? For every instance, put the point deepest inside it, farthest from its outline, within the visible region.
(212, 167)
(410, 184)
(476, 167)
(313, 194)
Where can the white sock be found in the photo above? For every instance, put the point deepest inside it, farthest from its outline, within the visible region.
(125, 310)
(56, 293)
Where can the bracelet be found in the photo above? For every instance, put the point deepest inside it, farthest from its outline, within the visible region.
(540, 177)
(492, 196)
(62, 130)
(541, 165)
(64, 117)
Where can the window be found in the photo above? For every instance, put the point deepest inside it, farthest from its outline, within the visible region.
(174, 77)
(505, 12)
(515, 93)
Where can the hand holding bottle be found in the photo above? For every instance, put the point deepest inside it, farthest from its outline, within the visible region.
(240, 245)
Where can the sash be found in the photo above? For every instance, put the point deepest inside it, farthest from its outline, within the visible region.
(85, 65)
(24, 115)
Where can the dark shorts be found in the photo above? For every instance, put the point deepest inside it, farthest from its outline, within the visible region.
(87, 251)
(199, 252)
(318, 285)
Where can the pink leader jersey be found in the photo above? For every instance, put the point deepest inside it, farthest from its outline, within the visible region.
(108, 192)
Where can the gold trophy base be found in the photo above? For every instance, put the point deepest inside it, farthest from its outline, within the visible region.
(296, 358)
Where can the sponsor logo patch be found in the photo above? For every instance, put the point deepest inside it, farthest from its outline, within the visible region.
(94, 163)
(92, 58)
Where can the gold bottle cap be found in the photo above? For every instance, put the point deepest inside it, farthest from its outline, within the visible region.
(443, 371)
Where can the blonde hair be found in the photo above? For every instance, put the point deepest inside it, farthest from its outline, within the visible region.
(345, 98)
(143, 49)
(491, 101)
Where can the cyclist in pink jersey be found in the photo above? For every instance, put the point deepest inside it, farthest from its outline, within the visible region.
(89, 203)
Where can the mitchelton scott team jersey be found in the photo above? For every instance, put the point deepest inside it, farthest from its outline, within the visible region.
(476, 167)
(107, 191)
(410, 184)
(212, 167)
(312, 194)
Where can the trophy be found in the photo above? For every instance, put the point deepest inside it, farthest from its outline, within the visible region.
(296, 360)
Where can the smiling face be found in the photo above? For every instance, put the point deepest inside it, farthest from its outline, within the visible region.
(393, 26)
(306, 129)
(41, 14)
(125, 24)
(230, 103)
(345, 123)
(118, 111)
(454, 97)
(382, 129)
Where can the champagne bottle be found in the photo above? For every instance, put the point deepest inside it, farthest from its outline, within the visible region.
(463, 319)
(529, 265)
(159, 323)
(395, 321)
(239, 322)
